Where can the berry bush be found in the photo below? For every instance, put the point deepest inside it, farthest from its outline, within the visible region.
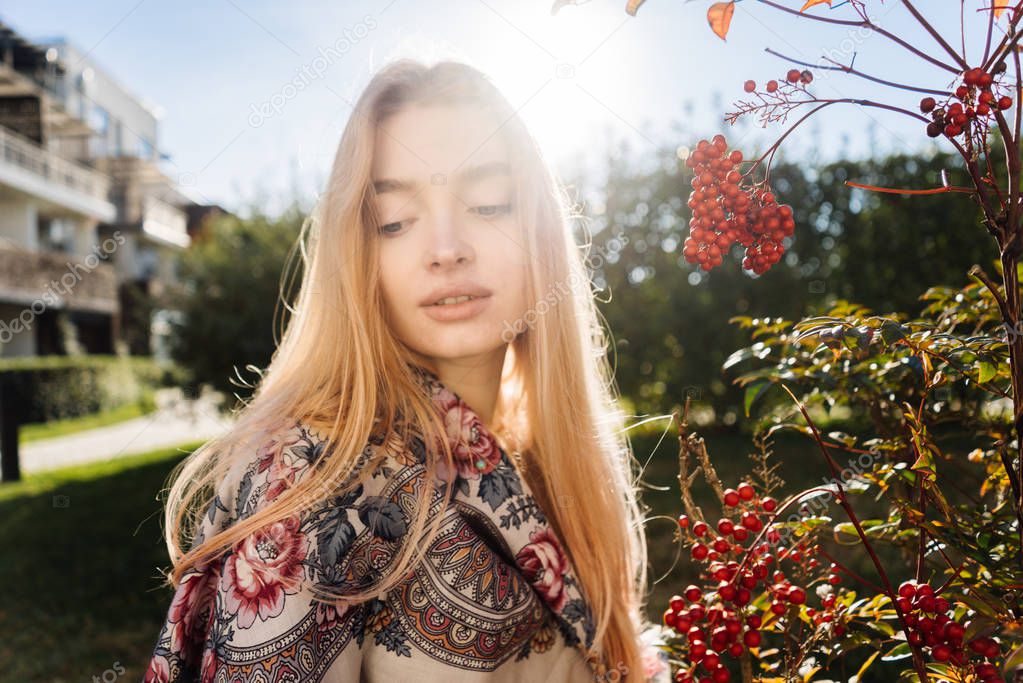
(907, 565)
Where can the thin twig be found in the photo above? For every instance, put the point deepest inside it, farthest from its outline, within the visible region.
(838, 66)
(866, 23)
(685, 480)
(899, 190)
(959, 59)
(843, 500)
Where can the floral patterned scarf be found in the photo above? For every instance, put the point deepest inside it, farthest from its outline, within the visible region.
(497, 594)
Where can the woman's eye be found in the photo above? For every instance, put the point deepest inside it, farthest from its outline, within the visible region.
(386, 229)
(492, 209)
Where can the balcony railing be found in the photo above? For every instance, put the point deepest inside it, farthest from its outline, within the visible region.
(165, 222)
(45, 165)
(48, 277)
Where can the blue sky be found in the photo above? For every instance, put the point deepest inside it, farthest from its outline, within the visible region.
(660, 78)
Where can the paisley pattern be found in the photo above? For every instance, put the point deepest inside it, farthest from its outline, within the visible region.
(496, 594)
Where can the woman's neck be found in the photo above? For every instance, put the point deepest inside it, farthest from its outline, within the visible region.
(476, 379)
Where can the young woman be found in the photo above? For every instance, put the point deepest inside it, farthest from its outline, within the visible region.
(431, 481)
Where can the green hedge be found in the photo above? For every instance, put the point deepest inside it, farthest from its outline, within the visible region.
(55, 387)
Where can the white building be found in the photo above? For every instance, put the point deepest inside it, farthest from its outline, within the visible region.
(85, 211)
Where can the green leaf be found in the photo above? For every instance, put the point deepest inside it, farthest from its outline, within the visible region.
(866, 664)
(900, 651)
(908, 676)
(738, 357)
(882, 627)
(987, 371)
(843, 438)
(925, 463)
(1013, 661)
(753, 392)
(981, 606)
(892, 331)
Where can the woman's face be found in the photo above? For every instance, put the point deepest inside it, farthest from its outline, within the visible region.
(448, 229)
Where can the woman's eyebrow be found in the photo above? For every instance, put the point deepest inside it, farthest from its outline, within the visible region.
(470, 174)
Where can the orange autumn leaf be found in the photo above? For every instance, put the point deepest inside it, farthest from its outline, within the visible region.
(719, 16)
(632, 5)
(811, 3)
(999, 7)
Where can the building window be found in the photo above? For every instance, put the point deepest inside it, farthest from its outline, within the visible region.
(54, 234)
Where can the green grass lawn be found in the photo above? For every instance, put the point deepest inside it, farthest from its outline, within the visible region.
(81, 552)
(83, 545)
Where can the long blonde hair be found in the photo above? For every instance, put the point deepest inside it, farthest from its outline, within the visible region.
(339, 368)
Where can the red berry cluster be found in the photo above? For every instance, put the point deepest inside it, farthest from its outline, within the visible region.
(793, 76)
(724, 212)
(976, 103)
(931, 627)
(719, 619)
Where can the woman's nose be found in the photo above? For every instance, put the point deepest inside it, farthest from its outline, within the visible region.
(446, 242)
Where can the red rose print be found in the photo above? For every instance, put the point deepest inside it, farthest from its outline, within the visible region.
(283, 465)
(255, 573)
(280, 479)
(158, 671)
(191, 606)
(208, 671)
(544, 563)
(474, 449)
(284, 435)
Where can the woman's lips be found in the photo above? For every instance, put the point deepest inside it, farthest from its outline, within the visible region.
(454, 312)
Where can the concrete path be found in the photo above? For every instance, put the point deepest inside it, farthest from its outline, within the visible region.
(176, 421)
